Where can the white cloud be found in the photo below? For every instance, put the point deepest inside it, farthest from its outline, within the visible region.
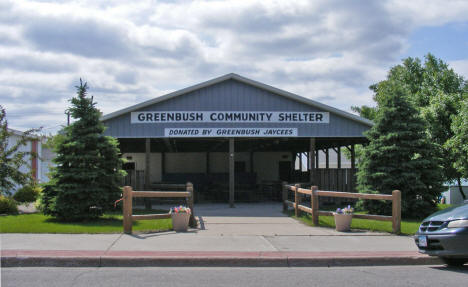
(130, 51)
(428, 13)
(460, 67)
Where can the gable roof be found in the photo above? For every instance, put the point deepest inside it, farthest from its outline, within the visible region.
(244, 80)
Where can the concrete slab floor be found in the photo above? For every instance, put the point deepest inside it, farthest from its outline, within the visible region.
(262, 219)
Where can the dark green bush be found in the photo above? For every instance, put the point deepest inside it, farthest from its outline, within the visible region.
(27, 193)
(87, 176)
(47, 198)
(8, 205)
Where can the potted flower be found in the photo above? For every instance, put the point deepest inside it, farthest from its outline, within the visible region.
(180, 218)
(343, 217)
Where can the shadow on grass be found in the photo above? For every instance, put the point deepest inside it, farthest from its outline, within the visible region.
(111, 221)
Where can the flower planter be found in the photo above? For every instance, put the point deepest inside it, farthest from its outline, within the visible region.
(342, 221)
(180, 221)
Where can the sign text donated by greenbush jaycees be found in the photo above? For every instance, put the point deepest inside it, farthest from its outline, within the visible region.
(230, 132)
(154, 117)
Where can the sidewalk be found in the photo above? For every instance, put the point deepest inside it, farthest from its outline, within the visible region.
(225, 237)
(192, 249)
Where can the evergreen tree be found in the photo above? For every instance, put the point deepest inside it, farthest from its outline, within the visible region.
(399, 156)
(86, 179)
(437, 92)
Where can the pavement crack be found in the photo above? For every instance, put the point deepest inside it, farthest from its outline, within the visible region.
(74, 281)
(268, 241)
(113, 243)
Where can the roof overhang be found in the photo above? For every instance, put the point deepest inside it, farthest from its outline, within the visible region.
(247, 81)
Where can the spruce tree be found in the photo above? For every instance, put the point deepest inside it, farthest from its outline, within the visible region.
(86, 180)
(437, 92)
(399, 156)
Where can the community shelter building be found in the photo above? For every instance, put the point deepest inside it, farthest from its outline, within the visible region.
(236, 139)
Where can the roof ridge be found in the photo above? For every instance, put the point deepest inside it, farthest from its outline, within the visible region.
(244, 80)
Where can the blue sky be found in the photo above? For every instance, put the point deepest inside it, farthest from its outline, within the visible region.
(131, 51)
(449, 42)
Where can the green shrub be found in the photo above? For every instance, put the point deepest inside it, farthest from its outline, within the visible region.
(27, 193)
(8, 205)
(46, 203)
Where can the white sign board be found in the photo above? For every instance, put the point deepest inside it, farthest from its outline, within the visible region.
(156, 117)
(230, 132)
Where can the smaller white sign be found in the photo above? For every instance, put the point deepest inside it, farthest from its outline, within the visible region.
(229, 132)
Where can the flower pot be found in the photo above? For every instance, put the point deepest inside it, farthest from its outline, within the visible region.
(343, 221)
(180, 221)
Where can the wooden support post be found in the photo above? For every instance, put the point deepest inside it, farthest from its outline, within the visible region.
(311, 160)
(293, 163)
(127, 209)
(285, 195)
(297, 200)
(147, 172)
(353, 169)
(327, 158)
(396, 211)
(338, 154)
(317, 158)
(314, 204)
(231, 172)
(147, 163)
(163, 165)
(190, 201)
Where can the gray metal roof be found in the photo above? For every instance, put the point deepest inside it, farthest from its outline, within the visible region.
(247, 81)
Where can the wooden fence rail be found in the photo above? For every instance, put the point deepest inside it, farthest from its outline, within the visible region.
(314, 203)
(129, 194)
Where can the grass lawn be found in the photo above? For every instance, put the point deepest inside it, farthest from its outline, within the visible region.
(109, 223)
(408, 227)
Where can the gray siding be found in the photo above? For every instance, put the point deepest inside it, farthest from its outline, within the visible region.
(232, 95)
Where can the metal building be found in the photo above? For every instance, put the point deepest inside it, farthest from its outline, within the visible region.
(235, 139)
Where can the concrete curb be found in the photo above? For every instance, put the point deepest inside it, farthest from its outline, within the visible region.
(210, 259)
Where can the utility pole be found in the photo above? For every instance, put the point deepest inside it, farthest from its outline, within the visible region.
(67, 112)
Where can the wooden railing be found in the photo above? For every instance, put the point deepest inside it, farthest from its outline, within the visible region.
(129, 194)
(314, 194)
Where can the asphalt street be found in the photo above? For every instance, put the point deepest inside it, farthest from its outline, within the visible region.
(319, 276)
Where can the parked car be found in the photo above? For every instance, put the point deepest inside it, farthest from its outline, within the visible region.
(445, 234)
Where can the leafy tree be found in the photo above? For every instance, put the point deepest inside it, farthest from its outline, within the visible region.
(11, 159)
(440, 97)
(366, 112)
(459, 142)
(437, 92)
(439, 115)
(399, 156)
(86, 180)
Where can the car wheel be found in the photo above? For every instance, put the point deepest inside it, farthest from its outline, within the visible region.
(454, 262)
